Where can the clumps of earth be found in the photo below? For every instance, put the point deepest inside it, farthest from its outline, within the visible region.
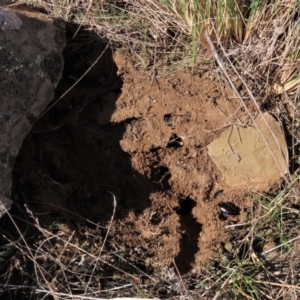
(176, 151)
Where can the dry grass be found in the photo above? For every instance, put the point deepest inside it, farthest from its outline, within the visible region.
(261, 261)
(259, 51)
(262, 39)
(62, 263)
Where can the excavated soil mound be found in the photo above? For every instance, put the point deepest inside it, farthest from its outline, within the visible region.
(143, 140)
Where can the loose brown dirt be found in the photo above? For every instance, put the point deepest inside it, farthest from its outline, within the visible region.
(143, 140)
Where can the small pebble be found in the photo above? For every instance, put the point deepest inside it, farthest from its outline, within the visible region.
(228, 246)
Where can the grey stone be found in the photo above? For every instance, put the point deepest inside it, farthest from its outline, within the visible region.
(31, 64)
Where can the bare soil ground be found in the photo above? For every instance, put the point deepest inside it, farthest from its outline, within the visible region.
(144, 141)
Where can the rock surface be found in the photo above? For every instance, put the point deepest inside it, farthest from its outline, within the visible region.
(244, 158)
(31, 63)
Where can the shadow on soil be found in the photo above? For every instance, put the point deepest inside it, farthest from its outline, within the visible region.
(72, 158)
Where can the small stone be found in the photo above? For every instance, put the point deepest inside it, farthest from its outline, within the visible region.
(228, 246)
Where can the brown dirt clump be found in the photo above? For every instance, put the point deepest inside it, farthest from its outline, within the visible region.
(146, 142)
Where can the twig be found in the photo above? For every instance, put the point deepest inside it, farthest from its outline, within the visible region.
(291, 240)
(65, 93)
(84, 18)
(180, 278)
(107, 232)
(119, 287)
(296, 287)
